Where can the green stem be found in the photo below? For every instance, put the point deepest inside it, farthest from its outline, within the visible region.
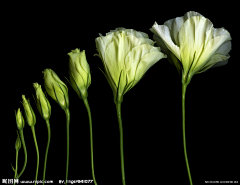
(67, 125)
(91, 137)
(184, 86)
(46, 154)
(118, 106)
(35, 141)
(25, 153)
(15, 176)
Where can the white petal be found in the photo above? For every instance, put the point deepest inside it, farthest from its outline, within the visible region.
(102, 43)
(147, 61)
(216, 61)
(134, 57)
(192, 39)
(174, 26)
(191, 14)
(164, 33)
(212, 46)
(224, 48)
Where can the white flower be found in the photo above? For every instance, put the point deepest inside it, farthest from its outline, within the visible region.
(126, 55)
(192, 44)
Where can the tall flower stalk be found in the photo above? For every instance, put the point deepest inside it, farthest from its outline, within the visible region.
(20, 124)
(80, 80)
(59, 92)
(193, 46)
(31, 120)
(44, 109)
(126, 55)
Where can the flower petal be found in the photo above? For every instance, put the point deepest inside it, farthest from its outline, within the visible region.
(192, 36)
(133, 58)
(164, 33)
(212, 46)
(147, 61)
(215, 62)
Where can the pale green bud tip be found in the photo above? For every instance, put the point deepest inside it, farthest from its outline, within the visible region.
(74, 51)
(20, 120)
(18, 143)
(36, 86)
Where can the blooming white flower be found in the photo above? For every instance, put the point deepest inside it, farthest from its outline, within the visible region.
(126, 55)
(192, 44)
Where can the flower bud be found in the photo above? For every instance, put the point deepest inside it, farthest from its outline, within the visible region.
(42, 102)
(19, 119)
(30, 116)
(18, 143)
(56, 88)
(79, 72)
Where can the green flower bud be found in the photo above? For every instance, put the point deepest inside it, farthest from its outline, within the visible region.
(56, 88)
(79, 72)
(42, 102)
(30, 116)
(19, 119)
(18, 143)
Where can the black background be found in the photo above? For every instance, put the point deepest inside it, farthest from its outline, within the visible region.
(40, 37)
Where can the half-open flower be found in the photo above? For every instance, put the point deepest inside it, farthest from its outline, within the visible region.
(56, 88)
(192, 44)
(126, 55)
(42, 102)
(79, 72)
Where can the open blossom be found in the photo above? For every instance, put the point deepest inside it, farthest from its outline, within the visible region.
(192, 44)
(126, 55)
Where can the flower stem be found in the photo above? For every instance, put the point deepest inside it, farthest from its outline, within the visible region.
(184, 87)
(25, 153)
(15, 176)
(67, 125)
(91, 137)
(46, 154)
(118, 106)
(35, 141)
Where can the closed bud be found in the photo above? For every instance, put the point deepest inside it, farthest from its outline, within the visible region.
(42, 102)
(19, 119)
(18, 143)
(79, 72)
(30, 116)
(56, 88)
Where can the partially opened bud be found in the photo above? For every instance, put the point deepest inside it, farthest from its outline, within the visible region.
(56, 88)
(30, 116)
(79, 72)
(43, 104)
(18, 143)
(19, 119)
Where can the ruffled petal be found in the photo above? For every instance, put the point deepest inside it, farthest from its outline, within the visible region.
(215, 62)
(192, 37)
(147, 61)
(134, 57)
(163, 32)
(212, 46)
(102, 43)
